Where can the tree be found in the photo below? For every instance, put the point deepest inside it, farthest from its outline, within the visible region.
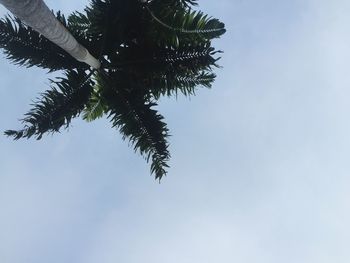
(147, 49)
(38, 16)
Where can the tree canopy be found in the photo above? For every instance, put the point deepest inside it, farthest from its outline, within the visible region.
(147, 49)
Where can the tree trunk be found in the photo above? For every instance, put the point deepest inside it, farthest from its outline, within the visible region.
(38, 16)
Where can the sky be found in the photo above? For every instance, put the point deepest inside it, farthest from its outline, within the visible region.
(260, 168)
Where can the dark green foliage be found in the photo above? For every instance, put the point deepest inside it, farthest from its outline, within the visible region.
(171, 84)
(57, 106)
(148, 49)
(173, 3)
(136, 120)
(189, 26)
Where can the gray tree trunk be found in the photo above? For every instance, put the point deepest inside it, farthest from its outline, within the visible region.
(38, 16)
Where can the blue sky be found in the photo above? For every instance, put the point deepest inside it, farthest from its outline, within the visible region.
(260, 163)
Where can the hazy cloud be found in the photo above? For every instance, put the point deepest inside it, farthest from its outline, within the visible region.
(260, 169)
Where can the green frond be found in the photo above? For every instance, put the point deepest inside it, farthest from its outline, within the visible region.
(169, 85)
(188, 3)
(185, 59)
(138, 122)
(56, 107)
(96, 106)
(79, 23)
(175, 27)
(173, 4)
(95, 109)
